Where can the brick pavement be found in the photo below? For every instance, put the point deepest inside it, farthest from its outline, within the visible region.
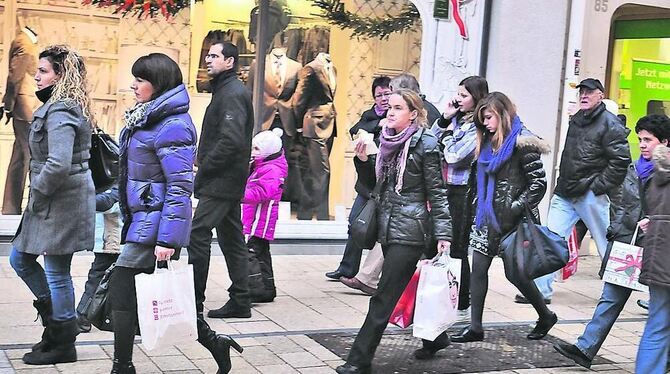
(275, 338)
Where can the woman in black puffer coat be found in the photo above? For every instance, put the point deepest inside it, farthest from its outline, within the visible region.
(408, 165)
(509, 176)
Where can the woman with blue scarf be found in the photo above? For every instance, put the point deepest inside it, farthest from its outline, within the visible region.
(509, 176)
(628, 209)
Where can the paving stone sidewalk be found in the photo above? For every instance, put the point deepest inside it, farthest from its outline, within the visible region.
(275, 339)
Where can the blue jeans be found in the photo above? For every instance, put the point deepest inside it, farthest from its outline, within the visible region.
(54, 281)
(652, 355)
(611, 303)
(564, 213)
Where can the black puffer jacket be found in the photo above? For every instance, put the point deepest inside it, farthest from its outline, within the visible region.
(225, 140)
(369, 122)
(595, 156)
(521, 180)
(404, 218)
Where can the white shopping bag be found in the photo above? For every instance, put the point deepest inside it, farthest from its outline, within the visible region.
(624, 265)
(166, 306)
(437, 297)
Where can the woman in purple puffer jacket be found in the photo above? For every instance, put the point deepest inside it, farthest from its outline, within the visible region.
(261, 206)
(155, 187)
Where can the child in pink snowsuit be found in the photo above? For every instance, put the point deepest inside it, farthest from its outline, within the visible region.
(261, 206)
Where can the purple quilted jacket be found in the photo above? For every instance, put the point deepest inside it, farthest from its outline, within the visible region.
(156, 173)
(260, 205)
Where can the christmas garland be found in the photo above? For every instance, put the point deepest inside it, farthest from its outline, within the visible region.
(374, 27)
(143, 8)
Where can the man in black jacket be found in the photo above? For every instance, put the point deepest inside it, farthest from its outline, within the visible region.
(594, 162)
(351, 260)
(223, 161)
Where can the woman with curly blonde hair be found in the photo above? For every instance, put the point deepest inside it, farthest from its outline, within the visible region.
(60, 217)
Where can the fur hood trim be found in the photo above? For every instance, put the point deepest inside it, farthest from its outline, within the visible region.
(533, 142)
(661, 159)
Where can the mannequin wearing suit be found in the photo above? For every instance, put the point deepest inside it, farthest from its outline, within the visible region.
(281, 79)
(19, 103)
(314, 109)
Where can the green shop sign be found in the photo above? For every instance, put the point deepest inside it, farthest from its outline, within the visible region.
(649, 94)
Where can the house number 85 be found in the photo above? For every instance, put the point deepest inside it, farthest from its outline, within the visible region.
(600, 5)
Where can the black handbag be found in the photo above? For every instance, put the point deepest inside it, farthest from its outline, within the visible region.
(532, 250)
(363, 229)
(98, 310)
(104, 161)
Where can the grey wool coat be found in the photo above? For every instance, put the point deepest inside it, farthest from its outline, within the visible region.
(60, 217)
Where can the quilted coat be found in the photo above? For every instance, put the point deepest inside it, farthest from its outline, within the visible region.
(156, 173)
(260, 207)
(520, 180)
(405, 218)
(595, 156)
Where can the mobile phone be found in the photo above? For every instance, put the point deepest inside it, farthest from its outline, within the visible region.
(455, 104)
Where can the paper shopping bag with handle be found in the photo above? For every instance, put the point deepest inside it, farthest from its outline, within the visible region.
(166, 306)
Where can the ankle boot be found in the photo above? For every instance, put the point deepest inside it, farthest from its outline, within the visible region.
(44, 312)
(124, 338)
(122, 368)
(217, 344)
(59, 345)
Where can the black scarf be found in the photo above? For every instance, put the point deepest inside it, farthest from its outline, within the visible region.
(45, 94)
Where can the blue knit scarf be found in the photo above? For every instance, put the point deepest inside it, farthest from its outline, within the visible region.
(488, 165)
(644, 168)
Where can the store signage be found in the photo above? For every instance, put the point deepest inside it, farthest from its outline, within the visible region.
(649, 90)
(441, 9)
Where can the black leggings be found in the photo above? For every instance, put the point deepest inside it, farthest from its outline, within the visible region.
(480, 285)
(123, 298)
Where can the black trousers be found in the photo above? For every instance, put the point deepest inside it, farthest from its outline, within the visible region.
(19, 164)
(225, 216)
(399, 265)
(460, 208)
(101, 262)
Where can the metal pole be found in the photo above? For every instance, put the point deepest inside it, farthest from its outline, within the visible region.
(259, 73)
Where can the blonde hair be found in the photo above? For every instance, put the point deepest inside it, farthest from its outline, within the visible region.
(72, 85)
(502, 107)
(414, 102)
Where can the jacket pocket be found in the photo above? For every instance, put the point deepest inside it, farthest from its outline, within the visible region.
(37, 130)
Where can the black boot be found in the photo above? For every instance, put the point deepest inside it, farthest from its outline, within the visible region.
(217, 344)
(431, 347)
(125, 368)
(124, 337)
(44, 312)
(59, 344)
(231, 309)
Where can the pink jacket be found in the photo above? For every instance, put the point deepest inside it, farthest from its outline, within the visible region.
(260, 205)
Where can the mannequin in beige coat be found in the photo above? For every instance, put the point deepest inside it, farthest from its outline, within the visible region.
(19, 103)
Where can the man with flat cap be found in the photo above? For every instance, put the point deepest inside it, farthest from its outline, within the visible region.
(594, 162)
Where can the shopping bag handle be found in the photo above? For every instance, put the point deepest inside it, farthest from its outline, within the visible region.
(440, 260)
(637, 227)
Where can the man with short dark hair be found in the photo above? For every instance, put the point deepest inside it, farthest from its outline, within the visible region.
(369, 122)
(223, 159)
(594, 162)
